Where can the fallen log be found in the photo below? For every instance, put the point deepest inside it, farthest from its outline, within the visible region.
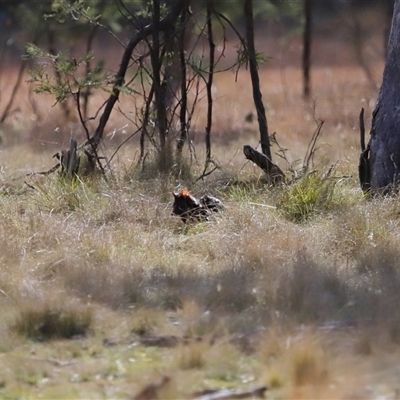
(274, 173)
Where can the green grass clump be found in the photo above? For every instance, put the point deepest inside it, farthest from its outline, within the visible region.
(314, 193)
(68, 195)
(48, 321)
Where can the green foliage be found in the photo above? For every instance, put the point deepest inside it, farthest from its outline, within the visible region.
(243, 58)
(67, 195)
(83, 13)
(61, 8)
(68, 79)
(243, 191)
(313, 193)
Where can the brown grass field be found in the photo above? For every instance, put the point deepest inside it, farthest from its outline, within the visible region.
(295, 287)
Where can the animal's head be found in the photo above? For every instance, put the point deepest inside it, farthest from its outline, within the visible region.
(184, 203)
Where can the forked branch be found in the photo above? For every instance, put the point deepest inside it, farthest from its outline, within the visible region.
(141, 35)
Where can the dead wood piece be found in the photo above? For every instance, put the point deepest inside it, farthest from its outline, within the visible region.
(55, 362)
(69, 160)
(159, 341)
(76, 161)
(149, 341)
(72, 158)
(230, 394)
(189, 208)
(274, 173)
(346, 324)
(150, 392)
(110, 342)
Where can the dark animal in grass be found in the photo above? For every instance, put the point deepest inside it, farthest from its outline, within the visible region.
(189, 208)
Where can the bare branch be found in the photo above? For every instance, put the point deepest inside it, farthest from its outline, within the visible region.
(120, 76)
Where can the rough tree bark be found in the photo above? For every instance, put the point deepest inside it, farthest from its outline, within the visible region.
(264, 159)
(209, 83)
(383, 160)
(255, 80)
(388, 18)
(307, 35)
(160, 87)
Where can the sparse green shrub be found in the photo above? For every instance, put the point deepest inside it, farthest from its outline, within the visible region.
(313, 193)
(66, 195)
(53, 321)
(244, 191)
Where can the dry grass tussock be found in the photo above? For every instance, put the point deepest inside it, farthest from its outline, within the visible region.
(296, 287)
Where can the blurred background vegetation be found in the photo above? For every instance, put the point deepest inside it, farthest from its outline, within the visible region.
(21, 20)
(342, 33)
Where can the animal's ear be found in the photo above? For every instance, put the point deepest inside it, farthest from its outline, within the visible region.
(176, 195)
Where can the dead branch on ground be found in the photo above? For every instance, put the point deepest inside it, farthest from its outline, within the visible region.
(274, 173)
(210, 394)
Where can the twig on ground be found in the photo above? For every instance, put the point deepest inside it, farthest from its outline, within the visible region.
(55, 362)
(50, 171)
(230, 394)
(261, 205)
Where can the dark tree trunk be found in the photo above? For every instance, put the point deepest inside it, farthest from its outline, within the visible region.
(184, 88)
(255, 80)
(388, 14)
(307, 47)
(209, 84)
(384, 144)
(160, 86)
